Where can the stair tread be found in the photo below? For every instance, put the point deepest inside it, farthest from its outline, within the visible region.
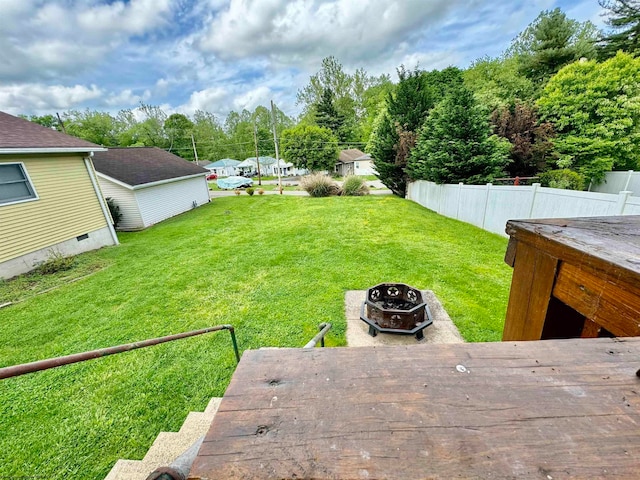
(167, 446)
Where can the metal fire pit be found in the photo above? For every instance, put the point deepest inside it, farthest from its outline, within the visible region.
(395, 308)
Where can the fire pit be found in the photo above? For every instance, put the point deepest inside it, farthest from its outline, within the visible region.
(395, 308)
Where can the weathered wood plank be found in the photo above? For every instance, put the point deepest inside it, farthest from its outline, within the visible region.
(531, 286)
(603, 243)
(550, 409)
(615, 306)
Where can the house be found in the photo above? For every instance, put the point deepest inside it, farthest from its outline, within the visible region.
(287, 169)
(149, 184)
(354, 162)
(50, 200)
(250, 166)
(223, 168)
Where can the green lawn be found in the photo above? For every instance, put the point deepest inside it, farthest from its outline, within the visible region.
(274, 267)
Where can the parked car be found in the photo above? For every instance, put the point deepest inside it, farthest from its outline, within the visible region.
(234, 182)
(212, 176)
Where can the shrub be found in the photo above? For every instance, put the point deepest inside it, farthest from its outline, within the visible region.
(56, 262)
(250, 191)
(319, 185)
(261, 191)
(354, 186)
(564, 179)
(116, 215)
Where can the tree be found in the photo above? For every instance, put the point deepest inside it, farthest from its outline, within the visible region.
(309, 146)
(327, 116)
(623, 17)
(178, 128)
(349, 95)
(391, 141)
(49, 121)
(497, 82)
(595, 108)
(93, 126)
(552, 41)
(455, 144)
(530, 140)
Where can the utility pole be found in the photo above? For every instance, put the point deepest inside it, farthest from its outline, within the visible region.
(195, 152)
(255, 140)
(275, 142)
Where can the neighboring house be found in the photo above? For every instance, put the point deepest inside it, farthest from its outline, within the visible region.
(50, 201)
(250, 166)
(223, 168)
(354, 162)
(287, 169)
(149, 184)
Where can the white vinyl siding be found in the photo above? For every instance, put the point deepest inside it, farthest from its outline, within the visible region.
(163, 201)
(126, 199)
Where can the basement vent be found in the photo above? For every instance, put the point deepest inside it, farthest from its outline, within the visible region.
(82, 237)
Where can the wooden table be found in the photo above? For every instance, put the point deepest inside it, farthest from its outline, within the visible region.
(575, 277)
(546, 410)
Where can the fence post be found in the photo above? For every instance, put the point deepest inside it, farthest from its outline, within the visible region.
(459, 195)
(622, 201)
(534, 192)
(486, 204)
(626, 185)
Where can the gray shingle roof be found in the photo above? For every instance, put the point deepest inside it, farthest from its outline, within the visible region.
(350, 155)
(141, 165)
(19, 133)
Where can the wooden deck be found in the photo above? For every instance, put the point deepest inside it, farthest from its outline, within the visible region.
(546, 410)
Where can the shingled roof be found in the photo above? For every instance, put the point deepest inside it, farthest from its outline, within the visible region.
(141, 165)
(20, 135)
(350, 155)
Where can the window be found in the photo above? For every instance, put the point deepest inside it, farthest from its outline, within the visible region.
(15, 185)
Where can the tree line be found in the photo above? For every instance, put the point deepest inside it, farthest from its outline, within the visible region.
(561, 102)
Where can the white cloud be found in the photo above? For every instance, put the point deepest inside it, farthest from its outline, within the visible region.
(44, 39)
(42, 98)
(251, 99)
(126, 98)
(350, 30)
(214, 100)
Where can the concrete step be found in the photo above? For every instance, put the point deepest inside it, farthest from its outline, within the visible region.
(167, 446)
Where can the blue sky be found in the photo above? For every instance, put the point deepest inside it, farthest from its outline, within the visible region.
(222, 55)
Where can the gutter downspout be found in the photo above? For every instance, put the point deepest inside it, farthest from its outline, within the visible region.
(89, 164)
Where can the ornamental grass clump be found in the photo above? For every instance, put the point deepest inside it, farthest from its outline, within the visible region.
(354, 186)
(319, 185)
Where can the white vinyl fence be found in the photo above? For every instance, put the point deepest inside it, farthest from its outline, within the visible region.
(490, 206)
(615, 182)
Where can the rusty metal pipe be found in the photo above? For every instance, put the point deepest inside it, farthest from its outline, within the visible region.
(324, 328)
(16, 370)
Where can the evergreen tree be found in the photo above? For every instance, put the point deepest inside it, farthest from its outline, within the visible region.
(623, 17)
(455, 144)
(327, 116)
(551, 42)
(395, 129)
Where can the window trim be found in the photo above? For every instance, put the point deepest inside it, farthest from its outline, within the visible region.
(29, 182)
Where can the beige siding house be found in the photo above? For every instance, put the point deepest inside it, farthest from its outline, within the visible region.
(50, 201)
(354, 162)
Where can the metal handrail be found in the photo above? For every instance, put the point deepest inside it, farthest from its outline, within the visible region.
(16, 370)
(324, 328)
